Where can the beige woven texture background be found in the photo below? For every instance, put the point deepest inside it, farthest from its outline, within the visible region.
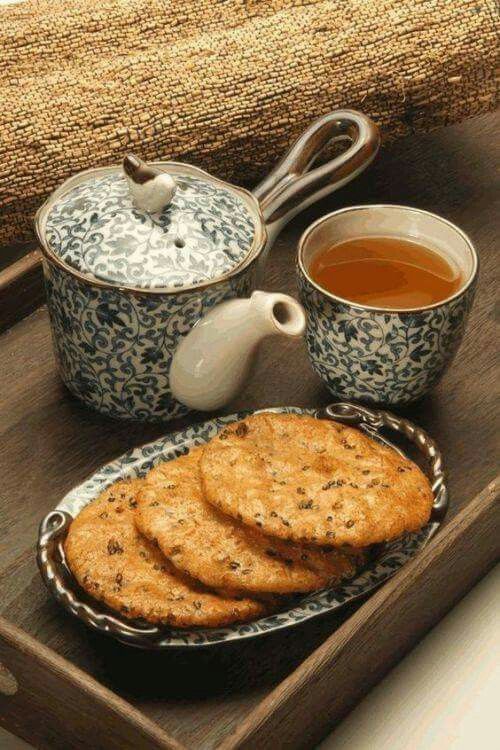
(224, 85)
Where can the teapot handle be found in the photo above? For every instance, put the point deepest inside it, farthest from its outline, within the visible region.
(290, 187)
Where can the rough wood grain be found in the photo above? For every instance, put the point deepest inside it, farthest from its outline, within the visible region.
(21, 289)
(10, 253)
(62, 707)
(49, 442)
(341, 671)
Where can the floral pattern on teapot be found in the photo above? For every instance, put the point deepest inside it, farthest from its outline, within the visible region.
(205, 233)
(380, 357)
(114, 351)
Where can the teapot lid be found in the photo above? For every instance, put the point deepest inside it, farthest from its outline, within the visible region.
(150, 227)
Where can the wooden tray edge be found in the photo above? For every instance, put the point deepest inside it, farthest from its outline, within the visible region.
(306, 704)
(21, 289)
(44, 696)
(322, 690)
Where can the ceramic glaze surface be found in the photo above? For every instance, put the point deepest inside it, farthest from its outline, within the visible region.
(114, 351)
(205, 233)
(379, 357)
(125, 284)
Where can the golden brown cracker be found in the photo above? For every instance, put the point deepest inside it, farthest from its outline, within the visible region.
(218, 550)
(115, 564)
(314, 481)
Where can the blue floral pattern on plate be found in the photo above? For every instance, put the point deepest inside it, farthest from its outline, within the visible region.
(140, 460)
(204, 233)
(381, 357)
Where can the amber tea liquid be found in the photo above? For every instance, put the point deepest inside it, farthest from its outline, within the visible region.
(385, 272)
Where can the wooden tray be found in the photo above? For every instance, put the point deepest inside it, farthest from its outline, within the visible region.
(62, 686)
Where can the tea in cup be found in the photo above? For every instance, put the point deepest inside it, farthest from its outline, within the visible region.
(387, 290)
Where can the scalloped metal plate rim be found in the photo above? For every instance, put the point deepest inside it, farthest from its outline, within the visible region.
(138, 461)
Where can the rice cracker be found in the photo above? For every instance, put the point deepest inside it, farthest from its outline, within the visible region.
(314, 481)
(116, 565)
(220, 551)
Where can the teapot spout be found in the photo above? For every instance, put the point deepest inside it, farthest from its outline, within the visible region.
(275, 314)
(212, 363)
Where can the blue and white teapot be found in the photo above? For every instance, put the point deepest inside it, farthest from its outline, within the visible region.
(150, 273)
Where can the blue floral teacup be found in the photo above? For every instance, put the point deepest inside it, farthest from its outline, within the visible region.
(391, 356)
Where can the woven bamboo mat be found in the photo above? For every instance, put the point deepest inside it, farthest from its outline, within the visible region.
(224, 85)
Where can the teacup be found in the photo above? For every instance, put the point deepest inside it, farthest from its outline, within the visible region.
(385, 356)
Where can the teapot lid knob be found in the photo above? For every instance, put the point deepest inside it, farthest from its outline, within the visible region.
(151, 189)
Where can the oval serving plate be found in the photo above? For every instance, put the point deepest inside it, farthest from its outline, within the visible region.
(387, 560)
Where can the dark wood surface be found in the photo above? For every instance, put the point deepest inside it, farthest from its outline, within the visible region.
(21, 289)
(59, 706)
(376, 636)
(49, 442)
(9, 254)
(299, 711)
